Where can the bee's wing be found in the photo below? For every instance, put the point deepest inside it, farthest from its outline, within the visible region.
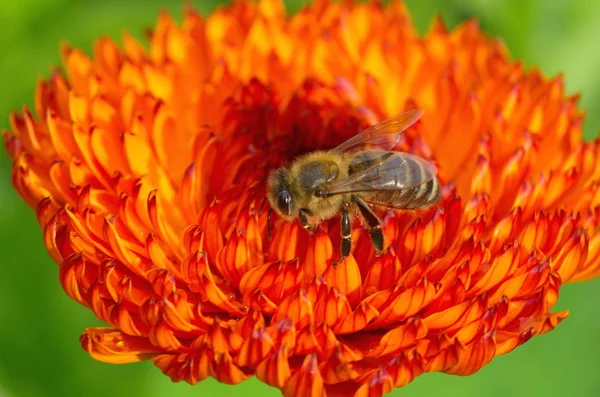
(384, 171)
(385, 134)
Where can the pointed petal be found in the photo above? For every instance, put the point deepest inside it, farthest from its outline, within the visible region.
(112, 346)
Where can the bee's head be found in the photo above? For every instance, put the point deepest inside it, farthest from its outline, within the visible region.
(279, 193)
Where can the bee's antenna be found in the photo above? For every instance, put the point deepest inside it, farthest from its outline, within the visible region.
(269, 223)
(261, 204)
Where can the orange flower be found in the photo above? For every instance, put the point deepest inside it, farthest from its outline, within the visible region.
(147, 169)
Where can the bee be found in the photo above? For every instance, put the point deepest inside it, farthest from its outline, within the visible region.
(350, 178)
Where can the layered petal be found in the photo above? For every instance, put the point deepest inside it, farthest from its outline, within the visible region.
(147, 169)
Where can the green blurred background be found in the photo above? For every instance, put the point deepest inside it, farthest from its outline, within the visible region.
(40, 354)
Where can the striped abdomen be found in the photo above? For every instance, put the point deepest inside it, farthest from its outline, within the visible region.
(397, 179)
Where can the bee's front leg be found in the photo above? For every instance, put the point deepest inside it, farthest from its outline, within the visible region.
(303, 217)
(346, 229)
(346, 232)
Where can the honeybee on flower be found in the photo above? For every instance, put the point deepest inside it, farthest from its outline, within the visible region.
(351, 177)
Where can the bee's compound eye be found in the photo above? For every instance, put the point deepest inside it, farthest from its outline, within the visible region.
(284, 202)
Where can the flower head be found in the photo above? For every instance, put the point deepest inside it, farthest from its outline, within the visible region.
(147, 169)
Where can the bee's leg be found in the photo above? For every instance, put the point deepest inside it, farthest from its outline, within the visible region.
(346, 229)
(302, 215)
(373, 222)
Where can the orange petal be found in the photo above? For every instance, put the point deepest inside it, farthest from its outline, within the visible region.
(306, 381)
(474, 356)
(112, 346)
(363, 315)
(275, 369)
(400, 337)
(346, 278)
(255, 350)
(380, 383)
